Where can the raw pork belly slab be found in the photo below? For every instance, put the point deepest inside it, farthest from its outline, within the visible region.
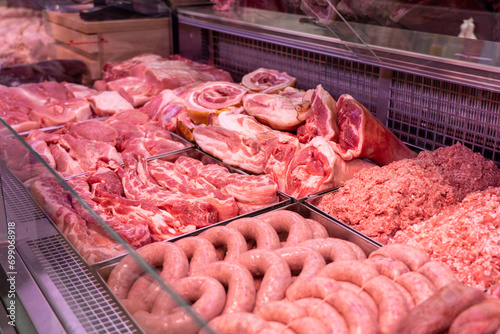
(465, 237)
(136, 91)
(267, 81)
(108, 103)
(381, 201)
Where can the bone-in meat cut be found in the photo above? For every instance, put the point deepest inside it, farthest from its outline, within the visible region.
(267, 81)
(321, 118)
(362, 135)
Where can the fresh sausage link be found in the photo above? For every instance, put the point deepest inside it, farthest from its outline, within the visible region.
(265, 235)
(481, 318)
(354, 271)
(318, 230)
(389, 266)
(323, 311)
(332, 249)
(207, 295)
(274, 327)
(391, 303)
(303, 259)
(276, 274)
(316, 287)
(291, 223)
(437, 313)
(199, 251)
(438, 273)
(362, 294)
(240, 322)
(358, 250)
(230, 240)
(359, 318)
(308, 325)
(173, 260)
(413, 257)
(239, 282)
(283, 311)
(419, 286)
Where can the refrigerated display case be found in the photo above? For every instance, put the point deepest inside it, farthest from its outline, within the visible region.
(431, 90)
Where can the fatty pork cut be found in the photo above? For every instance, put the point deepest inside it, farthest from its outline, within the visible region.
(231, 147)
(362, 135)
(321, 118)
(316, 167)
(267, 81)
(466, 237)
(277, 111)
(381, 201)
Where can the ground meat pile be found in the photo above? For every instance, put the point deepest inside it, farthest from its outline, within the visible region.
(381, 201)
(466, 237)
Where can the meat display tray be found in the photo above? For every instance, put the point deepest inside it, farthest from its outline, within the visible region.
(334, 228)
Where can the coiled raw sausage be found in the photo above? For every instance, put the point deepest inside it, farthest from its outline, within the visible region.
(323, 311)
(332, 249)
(419, 286)
(303, 259)
(240, 322)
(316, 287)
(307, 325)
(481, 318)
(229, 241)
(239, 282)
(199, 252)
(276, 274)
(283, 311)
(438, 273)
(361, 293)
(388, 266)
(354, 271)
(206, 294)
(318, 230)
(290, 226)
(413, 257)
(262, 233)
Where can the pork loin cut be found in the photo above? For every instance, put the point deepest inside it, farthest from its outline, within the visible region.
(91, 130)
(108, 103)
(60, 113)
(276, 111)
(65, 164)
(136, 91)
(362, 135)
(321, 118)
(232, 148)
(316, 167)
(267, 81)
(164, 108)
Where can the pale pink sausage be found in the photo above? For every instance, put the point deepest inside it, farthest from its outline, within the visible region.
(359, 318)
(358, 250)
(206, 294)
(160, 254)
(362, 294)
(324, 312)
(308, 325)
(315, 287)
(413, 257)
(302, 259)
(391, 303)
(283, 311)
(139, 287)
(437, 313)
(274, 327)
(481, 318)
(239, 282)
(275, 271)
(288, 223)
(494, 291)
(229, 240)
(419, 286)
(354, 271)
(262, 233)
(199, 252)
(241, 323)
(332, 249)
(438, 273)
(389, 266)
(318, 230)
